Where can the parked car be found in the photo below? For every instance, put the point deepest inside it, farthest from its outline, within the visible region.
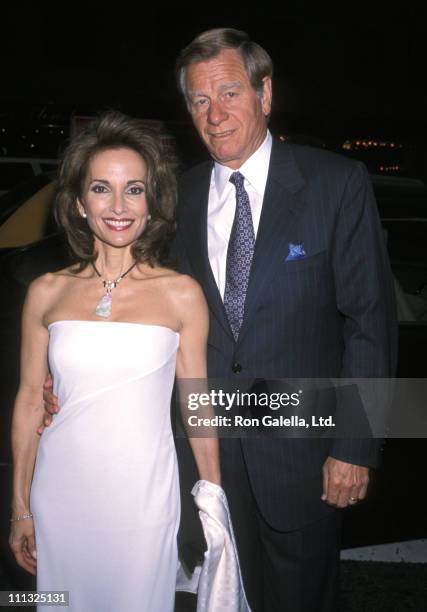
(16, 170)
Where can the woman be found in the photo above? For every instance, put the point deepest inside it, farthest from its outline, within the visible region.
(102, 515)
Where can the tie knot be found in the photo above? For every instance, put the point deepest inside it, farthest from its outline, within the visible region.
(237, 179)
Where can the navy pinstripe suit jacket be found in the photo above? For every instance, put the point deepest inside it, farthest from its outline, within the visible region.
(327, 314)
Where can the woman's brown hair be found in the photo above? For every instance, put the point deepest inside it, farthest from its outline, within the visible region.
(113, 130)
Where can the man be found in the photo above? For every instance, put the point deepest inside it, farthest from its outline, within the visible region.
(290, 254)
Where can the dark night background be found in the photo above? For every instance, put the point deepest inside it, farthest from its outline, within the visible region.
(353, 76)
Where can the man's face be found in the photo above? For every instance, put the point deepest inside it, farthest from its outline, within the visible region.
(228, 113)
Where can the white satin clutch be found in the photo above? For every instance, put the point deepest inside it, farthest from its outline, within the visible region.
(218, 581)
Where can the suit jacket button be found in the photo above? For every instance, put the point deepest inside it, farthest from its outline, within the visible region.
(236, 368)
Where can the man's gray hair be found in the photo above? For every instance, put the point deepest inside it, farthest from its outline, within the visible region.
(209, 44)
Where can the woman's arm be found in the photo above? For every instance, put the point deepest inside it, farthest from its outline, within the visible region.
(191, 366)
(27, 414)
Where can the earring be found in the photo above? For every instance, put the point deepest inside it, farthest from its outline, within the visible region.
(149, 218)
(84, 215)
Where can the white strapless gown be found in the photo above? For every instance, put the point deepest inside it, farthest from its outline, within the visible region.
(105, 493)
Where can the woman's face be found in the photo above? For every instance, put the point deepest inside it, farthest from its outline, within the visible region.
(113, 198)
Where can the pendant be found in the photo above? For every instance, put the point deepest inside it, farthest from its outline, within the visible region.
(103, 308)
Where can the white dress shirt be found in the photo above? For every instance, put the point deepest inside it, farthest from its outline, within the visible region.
(222, 205)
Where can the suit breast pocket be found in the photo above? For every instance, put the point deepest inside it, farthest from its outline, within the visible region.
(304, 281)
(315, 263)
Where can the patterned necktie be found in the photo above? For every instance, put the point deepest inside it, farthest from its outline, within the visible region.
(239, 256)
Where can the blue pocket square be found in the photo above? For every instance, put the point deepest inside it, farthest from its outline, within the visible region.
(296, 251)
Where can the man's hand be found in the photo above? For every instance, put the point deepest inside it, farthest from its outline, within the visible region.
(344, 484)
(51, 406)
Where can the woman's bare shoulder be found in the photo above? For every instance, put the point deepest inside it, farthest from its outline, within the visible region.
(183, 285)
(175, 281)
(43, 284)
(188, 297)
(45, 287)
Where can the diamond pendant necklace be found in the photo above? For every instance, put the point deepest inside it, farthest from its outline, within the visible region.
(103, 308)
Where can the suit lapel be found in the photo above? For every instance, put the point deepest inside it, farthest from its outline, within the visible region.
(193, 228)
(279, 211)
